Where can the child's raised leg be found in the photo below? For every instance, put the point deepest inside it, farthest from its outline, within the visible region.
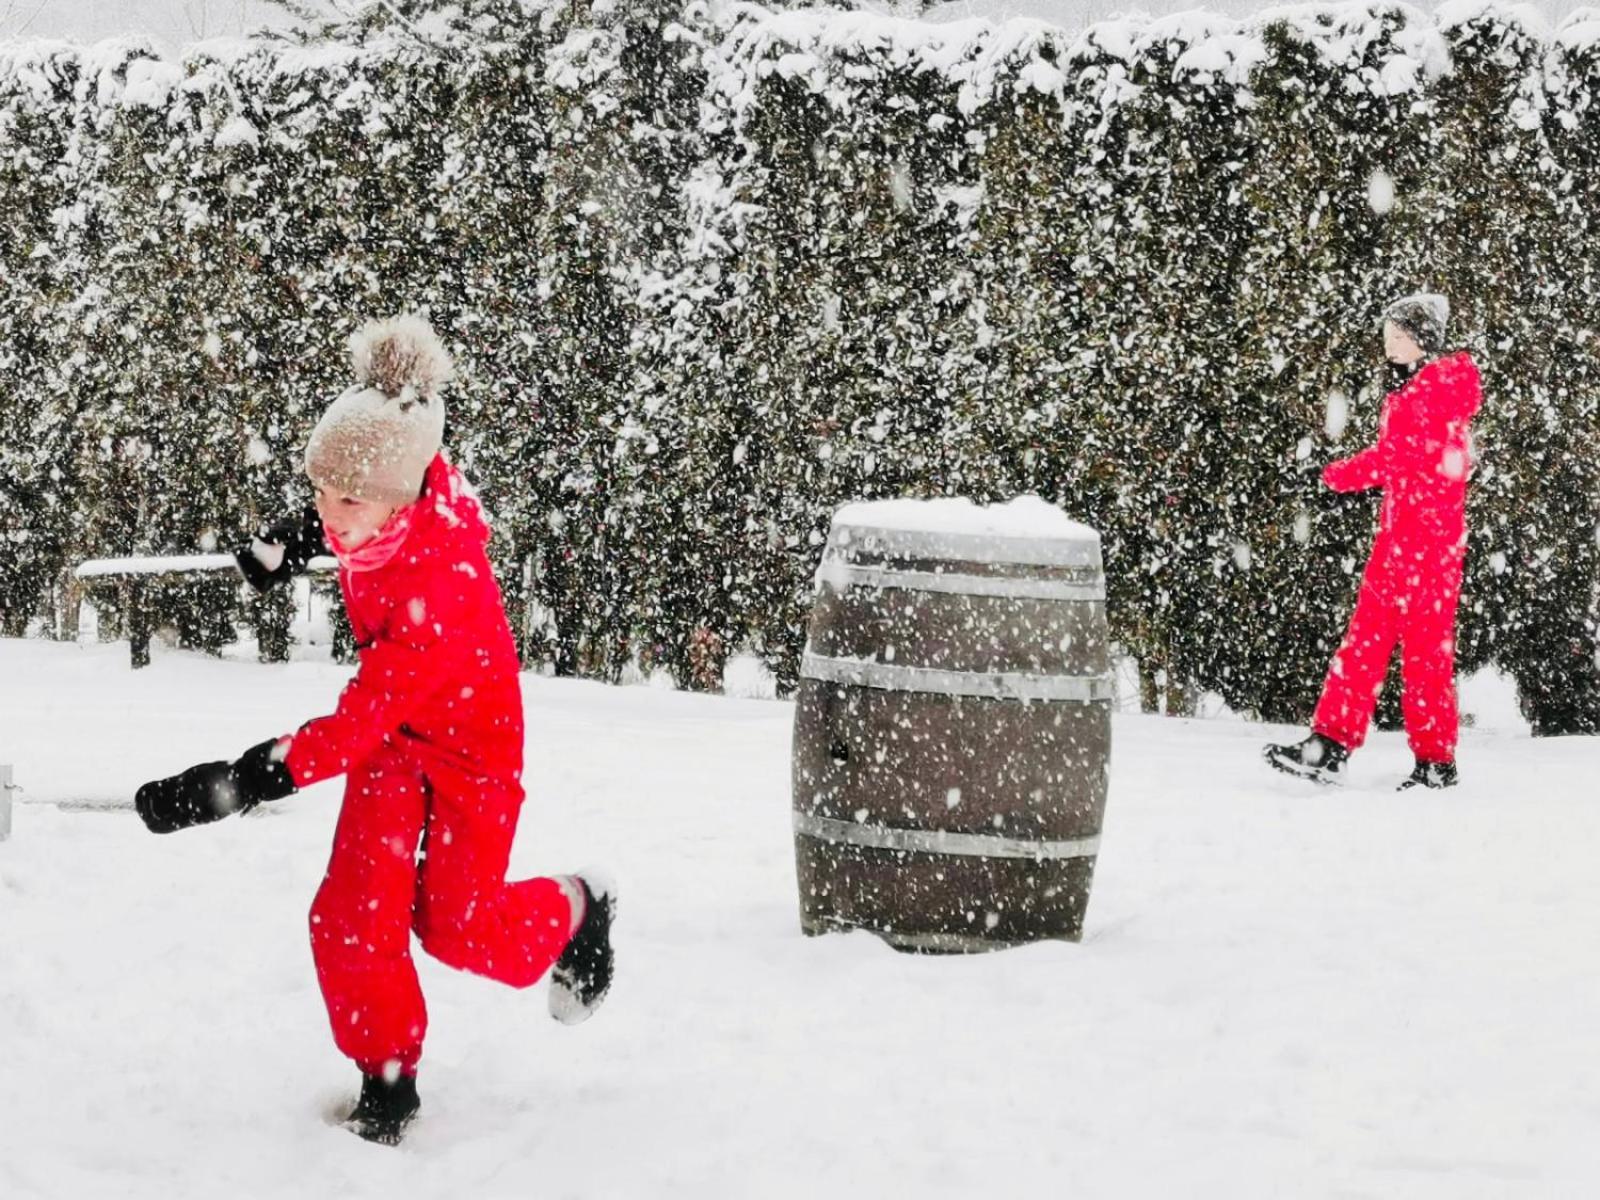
(467, 915)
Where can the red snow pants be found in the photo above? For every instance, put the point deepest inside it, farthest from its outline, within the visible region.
(377, 891)
(1408, 596)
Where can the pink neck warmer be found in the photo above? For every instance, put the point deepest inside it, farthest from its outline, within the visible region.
(378, 549)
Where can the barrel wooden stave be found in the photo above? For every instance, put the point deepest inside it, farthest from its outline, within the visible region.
(884, 757)
(930, 903)
(961, 633)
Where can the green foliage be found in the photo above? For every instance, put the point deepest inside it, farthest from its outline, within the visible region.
(710, 274)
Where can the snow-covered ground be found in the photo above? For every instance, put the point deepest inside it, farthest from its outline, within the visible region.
(1284, 992)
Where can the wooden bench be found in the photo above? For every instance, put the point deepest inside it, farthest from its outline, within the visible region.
(132, 577)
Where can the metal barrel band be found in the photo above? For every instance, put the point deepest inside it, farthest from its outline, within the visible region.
(862, 556)
(1000, 685)
(938, 841)
(970, 547)
(841, 575)
(940, 943)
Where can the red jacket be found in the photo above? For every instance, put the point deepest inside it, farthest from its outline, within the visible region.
(438, 674)
(1422, 458)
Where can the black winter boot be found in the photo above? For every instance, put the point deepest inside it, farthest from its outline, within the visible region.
(1430, 775)
(1319, 759)
(582, 975)
(385, 1109)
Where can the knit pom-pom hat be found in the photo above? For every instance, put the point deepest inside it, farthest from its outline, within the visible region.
(376, 440)
(1423, 315)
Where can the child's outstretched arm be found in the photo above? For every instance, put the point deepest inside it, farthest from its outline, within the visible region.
(420, 650)
(1362, 470)
(212, 790)
(282, 550)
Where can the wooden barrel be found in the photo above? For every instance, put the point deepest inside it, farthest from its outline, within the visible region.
(953, 726)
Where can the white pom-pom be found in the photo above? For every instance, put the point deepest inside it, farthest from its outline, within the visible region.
(402, 357)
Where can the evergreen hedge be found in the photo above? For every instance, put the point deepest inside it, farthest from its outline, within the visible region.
(710, 273)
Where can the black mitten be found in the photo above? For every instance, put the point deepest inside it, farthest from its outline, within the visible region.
(212, 790)
(302, 540)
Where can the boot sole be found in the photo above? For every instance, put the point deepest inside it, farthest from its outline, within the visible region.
(387, 1137)
(341, 1117)
(564, 1004)
(1310, 774)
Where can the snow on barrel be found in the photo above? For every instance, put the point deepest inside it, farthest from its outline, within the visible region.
(953, 726)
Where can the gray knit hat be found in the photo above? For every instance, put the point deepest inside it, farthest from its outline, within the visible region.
(377, 439)
(1425, 316)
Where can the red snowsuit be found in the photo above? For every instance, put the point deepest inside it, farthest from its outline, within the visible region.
(429, 733)
(1412, 581)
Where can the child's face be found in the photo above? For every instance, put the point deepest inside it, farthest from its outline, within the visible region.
(1399, 345)
(349, 518)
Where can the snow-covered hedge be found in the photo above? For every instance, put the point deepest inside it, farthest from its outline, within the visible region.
(712, 271)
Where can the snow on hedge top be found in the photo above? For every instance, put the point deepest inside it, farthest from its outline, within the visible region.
(1387, 49)
(239, 132)
(151, 83)
(1024, 530)
(33, 68)
(1452, 14)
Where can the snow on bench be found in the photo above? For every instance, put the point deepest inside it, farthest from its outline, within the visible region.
(177, 564)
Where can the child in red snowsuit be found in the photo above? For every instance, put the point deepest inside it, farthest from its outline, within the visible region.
(1412, 582)
(429, 735)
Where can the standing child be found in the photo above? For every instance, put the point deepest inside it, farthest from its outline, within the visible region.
(1412, 582)
(429, 735)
